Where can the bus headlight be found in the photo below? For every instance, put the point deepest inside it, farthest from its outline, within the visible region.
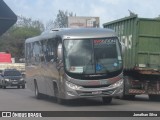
(73, 86)
(117, 84)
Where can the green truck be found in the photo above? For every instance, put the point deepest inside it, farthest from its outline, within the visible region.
(141, 40)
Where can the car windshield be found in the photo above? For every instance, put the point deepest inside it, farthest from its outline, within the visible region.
(92, 56)
(12, 73)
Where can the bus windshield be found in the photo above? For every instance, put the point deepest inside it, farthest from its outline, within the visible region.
(92, 56)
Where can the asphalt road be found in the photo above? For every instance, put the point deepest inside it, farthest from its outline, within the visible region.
(13, 99)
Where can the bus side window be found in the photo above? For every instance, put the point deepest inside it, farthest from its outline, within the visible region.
(36, 53)
(51, 50)
(43, 50)
(48, 50)
(29, 53)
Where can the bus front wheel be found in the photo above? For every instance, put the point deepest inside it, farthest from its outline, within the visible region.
(57, 95)
(4, 87)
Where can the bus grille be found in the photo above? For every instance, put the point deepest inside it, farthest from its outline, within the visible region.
(96, 86)
(91, 93)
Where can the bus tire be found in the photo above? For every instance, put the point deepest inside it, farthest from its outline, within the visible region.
(3, 86)
(107, 100)
(57, 94)
(37, 94)
(126, 88)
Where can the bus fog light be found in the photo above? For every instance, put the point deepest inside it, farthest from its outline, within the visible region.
(70, 93)
(73, 86)
(117, 84)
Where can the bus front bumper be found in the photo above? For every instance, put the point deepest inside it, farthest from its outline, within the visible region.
(75, 91)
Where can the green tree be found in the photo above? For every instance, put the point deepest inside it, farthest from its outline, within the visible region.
(13, 40)
(61, 20)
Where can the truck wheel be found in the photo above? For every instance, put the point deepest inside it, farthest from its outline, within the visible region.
(4, 87)
(107, 100)
(57, 95)
(154, 97)
(0, 86)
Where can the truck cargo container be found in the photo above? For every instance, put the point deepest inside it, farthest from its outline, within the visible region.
(141, 38)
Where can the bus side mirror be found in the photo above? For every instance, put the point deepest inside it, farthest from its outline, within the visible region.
(60, 52)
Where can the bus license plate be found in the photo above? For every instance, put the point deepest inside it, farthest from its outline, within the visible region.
(97, 92)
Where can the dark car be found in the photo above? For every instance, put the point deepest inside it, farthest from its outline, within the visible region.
(11, 77)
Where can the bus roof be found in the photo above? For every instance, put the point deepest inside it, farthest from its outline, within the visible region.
(75, 33)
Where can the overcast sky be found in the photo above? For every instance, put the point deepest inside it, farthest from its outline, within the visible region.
(107, 10)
